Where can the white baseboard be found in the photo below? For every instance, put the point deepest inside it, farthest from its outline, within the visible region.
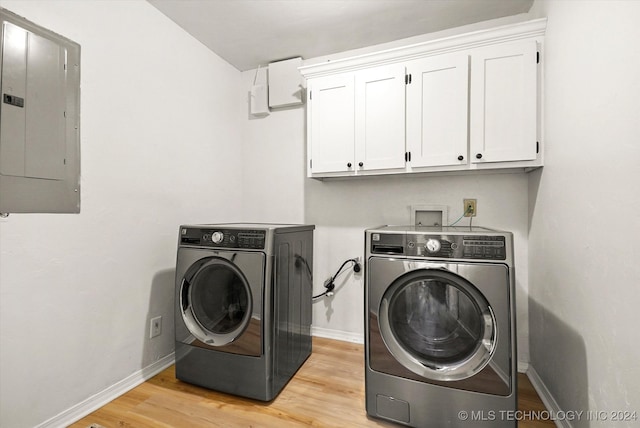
(98, 400)
(545, 395)
(523, 367)
(337, 335)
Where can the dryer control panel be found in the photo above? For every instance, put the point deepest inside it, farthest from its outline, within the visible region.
(454, 246)
(253, 239)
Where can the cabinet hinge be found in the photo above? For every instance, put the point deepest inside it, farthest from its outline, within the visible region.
(537, 57)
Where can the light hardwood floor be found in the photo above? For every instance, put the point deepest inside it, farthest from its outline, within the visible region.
(327, 391)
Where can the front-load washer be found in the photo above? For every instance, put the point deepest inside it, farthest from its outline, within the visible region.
(440, 343)
(243, 306)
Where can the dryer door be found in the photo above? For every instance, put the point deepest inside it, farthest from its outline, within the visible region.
(437, 324)
(218, 305)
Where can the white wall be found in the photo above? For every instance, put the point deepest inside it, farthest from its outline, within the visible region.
(275, 149)
(344, 209)
(584, 259)
(273, 160)
(160, 138)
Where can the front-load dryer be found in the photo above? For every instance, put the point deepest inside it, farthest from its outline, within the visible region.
(440, 344)
(243, 306)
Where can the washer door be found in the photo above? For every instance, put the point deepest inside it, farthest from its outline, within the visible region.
(437, 325)
(216, 301)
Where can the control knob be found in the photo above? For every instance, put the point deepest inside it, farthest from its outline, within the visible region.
(217, 237)
(432, 245)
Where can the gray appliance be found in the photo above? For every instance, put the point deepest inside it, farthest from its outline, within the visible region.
(243, 306)
(440, 343)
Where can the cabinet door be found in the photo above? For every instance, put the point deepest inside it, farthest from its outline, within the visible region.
(380, 109)
(331, 124)
(437, 110)
(503, 103)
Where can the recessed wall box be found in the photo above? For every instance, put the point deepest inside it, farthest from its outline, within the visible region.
(39, 119)
(285, 83)
(429, 215)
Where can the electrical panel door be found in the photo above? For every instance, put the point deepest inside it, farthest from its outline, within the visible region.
(39, 119)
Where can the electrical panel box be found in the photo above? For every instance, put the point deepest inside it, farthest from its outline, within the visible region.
(39, 119)
(285, 83)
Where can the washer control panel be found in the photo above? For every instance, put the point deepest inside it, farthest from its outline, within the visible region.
(484, 247)
(476, 247)
(253, 239)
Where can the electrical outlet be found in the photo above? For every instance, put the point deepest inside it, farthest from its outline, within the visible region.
(470, 207)
(155, 327)
(357, 266)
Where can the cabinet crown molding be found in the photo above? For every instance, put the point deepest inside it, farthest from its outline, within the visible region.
(476, 39)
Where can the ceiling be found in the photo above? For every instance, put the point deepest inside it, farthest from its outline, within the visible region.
(248, 33)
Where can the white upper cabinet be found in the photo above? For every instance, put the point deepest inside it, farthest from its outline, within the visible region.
(379, 131)
(331, 124)
(437, 106)
(463, 103)
(356, 122)
(503, 103)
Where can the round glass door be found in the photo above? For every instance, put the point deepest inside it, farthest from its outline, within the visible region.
(437, 324)
(216, 301)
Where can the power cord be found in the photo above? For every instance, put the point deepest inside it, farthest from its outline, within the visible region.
(330, 283)
(462, 216)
